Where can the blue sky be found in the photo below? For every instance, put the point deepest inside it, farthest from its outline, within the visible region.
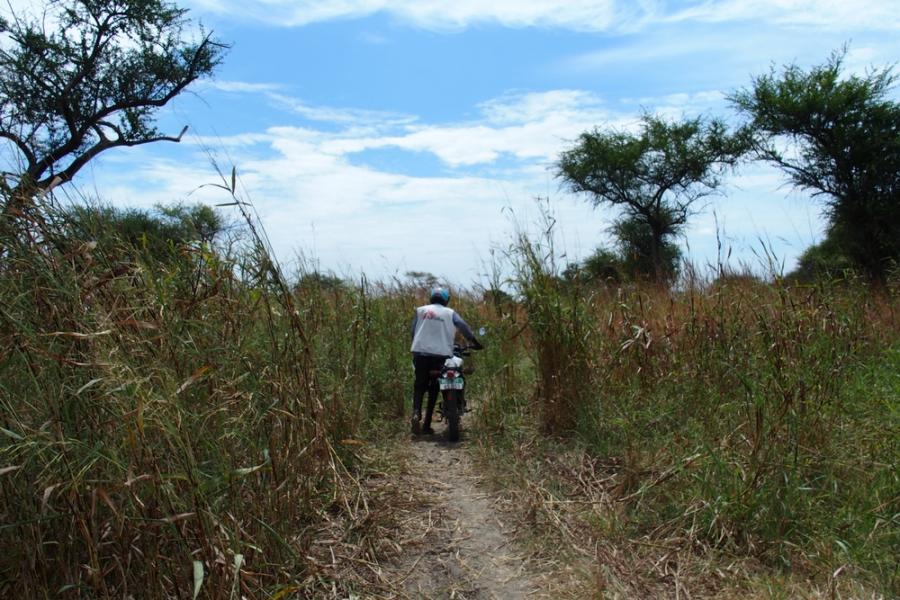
(386, 136)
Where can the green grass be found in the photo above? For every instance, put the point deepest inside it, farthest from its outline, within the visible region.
(748, 418)
(180, 407)
(167, 410)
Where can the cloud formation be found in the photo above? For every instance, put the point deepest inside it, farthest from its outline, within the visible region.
(315, 190)
(277, 95)
(441, 15)
(842, 14)
(526, 127)
(374, 189)
(578, 15)
(522, 126)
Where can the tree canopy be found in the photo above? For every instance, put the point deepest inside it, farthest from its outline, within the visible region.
(161, 233)
(654, 175)
(90, 75)
(837, 135)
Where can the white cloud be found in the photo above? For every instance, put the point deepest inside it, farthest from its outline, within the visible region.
(348, 215)
(725, 56)
(532, 126)
(683, 100)
(242, 140)
(719, 56)
(579, 15)
(278, 96)
(840, 14)
(638, 52)
(528, 107)
(338, 115)
(443, 15)
(313, 193)
(242, 87)
(374, 38)
(676, 106)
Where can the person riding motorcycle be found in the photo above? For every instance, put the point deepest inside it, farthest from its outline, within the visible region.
(434, 327)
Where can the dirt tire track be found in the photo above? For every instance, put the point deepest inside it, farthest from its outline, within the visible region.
(466, 551)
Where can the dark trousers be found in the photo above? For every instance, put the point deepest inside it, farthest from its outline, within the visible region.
(425, 382)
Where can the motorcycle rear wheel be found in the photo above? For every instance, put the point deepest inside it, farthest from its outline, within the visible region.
(451, 413)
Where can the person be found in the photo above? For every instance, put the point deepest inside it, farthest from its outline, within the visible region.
(434, 327)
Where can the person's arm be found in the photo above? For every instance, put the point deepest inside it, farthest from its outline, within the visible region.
(464, 329)
(414, 323)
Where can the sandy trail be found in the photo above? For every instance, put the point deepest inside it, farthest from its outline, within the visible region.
(466, 551)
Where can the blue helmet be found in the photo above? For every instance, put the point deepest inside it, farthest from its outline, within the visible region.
(440, 296)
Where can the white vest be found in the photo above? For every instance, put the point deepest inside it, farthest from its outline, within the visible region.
(434, 331)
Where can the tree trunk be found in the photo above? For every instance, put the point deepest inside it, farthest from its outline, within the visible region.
(656, 254)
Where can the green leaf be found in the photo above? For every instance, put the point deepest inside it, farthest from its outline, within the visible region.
(12, 434)
(238, 563)
(198, 577)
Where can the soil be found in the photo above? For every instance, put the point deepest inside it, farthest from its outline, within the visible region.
(464, 549)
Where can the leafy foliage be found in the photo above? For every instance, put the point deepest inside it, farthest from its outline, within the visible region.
(602, 266)
(655, 176)
(90, 75)
(161, 233)
(161, 414)
(422, 279)
(640, 257)
(825, 260)
(319, 280)
(843, 134)
(735, 418)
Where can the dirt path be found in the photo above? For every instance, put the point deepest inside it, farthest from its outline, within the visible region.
(464, 550)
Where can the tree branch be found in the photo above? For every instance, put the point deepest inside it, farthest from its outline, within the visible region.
(191, 75)
(21, 145)
(38, 168)
(85, 68)
(105, 144)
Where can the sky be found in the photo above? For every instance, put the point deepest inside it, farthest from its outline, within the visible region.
(386, 136)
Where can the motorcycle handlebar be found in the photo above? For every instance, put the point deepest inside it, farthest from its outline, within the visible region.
(468, 347)
(464, 371)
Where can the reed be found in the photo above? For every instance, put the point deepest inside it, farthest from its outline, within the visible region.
(740, 416)
(178, 425)
(189, 422)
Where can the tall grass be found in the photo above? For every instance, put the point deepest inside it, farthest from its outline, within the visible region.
(739, 415)
(189, 419)
(558, 326)
(178, 424)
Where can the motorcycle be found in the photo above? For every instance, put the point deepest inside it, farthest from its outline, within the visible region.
(452, 384)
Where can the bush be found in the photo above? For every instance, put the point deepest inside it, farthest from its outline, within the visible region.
(823, 261)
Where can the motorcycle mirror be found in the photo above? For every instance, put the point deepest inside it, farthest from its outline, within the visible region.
(482, 331)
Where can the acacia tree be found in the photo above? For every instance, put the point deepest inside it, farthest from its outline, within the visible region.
(655, 176)
(838, 136)
(636, 247)
(87, 76)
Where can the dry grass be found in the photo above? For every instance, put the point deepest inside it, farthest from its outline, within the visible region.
(567, 511)
(729, 437)
(193, 419)
(184, 422)
(365, 549)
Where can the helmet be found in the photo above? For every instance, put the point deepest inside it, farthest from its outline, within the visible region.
(440, 296)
